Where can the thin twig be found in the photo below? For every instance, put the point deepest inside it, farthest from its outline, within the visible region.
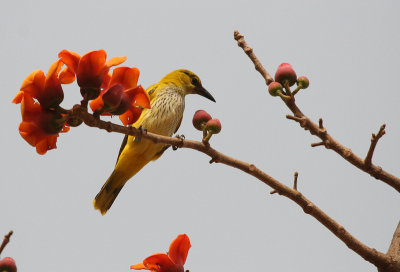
(374, 141)
(5, 241)
(317, 144)
(249, 51)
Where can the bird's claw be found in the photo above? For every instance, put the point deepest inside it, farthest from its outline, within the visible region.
(142, 131)
(180, 137)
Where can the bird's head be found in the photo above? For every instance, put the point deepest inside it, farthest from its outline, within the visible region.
(189, 81)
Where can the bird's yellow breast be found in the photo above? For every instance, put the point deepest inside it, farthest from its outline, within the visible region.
(165, 113)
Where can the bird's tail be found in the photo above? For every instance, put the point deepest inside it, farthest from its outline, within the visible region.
(123, 171)
(109, 192)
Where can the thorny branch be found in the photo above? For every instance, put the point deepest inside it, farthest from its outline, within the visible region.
(389, 262)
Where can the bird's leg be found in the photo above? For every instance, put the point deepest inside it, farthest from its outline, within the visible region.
(138, 138)
(180, 137)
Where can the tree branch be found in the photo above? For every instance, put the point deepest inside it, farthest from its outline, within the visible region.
(371, 255)
(394, 249)
(327, 140)
(5, 241)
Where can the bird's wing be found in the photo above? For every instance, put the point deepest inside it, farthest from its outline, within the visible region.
(123, 144)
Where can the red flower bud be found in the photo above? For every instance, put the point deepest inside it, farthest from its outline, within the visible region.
(303, 82)
(213, 126)
(274, 88)
(284, 73)
(200, 118)
(8, 264)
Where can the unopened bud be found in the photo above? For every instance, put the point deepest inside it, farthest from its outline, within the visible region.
(200, 118)
(284, 73)
(213, 126)
(303, 82)
(275, 88)
(8, 264)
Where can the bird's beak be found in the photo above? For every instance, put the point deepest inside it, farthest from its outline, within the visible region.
(203, 92)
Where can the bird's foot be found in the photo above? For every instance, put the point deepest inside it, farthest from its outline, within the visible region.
(142, 131)
(180, 137)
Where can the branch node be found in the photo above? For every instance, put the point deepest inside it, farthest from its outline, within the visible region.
(273, 192)
(374, 141)
(301, 120)
(321, 123)
(341, 230)
(309, 208)
(347, 153)
(296, 175)
(213, 160)
(109, 126)
(252, 168)
(317, 144)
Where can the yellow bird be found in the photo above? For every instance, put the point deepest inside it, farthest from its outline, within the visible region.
(167, 99)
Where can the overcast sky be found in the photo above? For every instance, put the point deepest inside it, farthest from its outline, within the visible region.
(348, 49)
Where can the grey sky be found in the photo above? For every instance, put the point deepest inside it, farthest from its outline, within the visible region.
(348, 49)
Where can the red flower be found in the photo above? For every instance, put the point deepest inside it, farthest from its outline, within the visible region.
(122, 96)
(46, 89)
(171, 262)
(39, 126)
(91, 69)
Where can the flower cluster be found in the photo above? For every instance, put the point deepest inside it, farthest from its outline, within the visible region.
(285, 77)
(203, 121)
(40, 95)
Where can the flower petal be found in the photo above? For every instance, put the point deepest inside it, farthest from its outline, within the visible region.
(91, 70)
(138, 266)
(139, 97)
(130, 116)
(159, 262)
(106, 81)
(71, 59)
(29, 132)
(29, 109)
(47, 143)
(92, 62)
(18, 98)
(127, 77)
(115, 61)
(34, 83)
(179, 248)
(67, 76)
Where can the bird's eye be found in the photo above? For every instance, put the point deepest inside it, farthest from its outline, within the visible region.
(195, 81)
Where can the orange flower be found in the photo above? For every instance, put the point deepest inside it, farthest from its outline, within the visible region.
(91, 69)
(122, 96)
(171, 262)
(46, 89)
(39, 126)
